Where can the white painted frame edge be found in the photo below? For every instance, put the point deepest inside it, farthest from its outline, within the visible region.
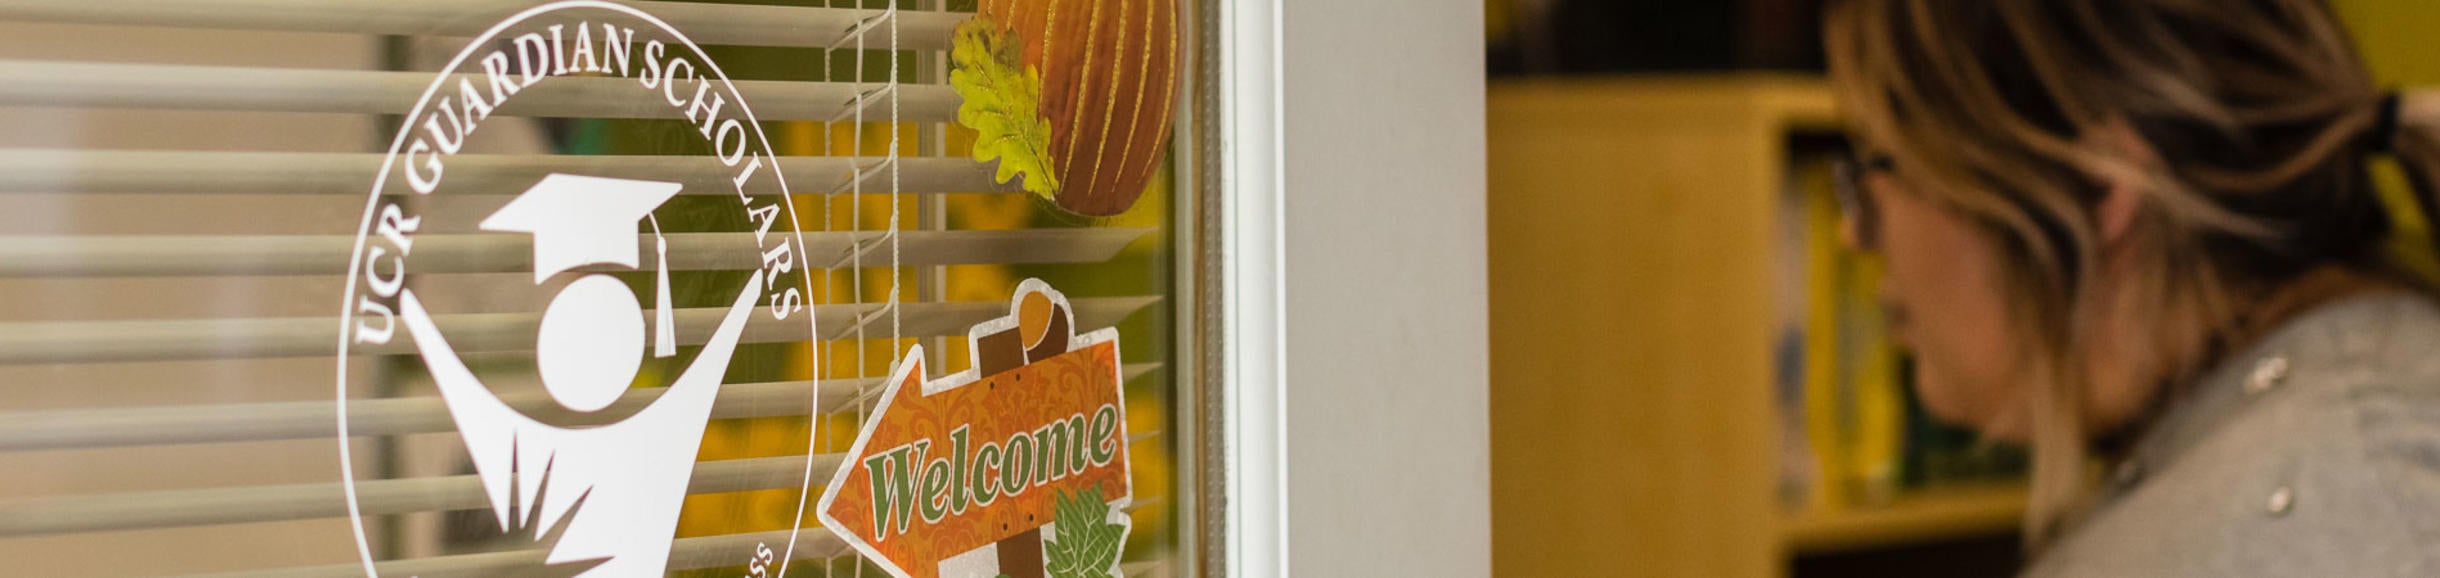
(1253, 269)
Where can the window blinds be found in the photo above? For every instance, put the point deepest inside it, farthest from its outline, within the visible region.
(859, 329)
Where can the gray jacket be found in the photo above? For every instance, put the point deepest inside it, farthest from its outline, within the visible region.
(2314, 453)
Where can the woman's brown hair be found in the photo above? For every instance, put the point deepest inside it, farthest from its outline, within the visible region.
(2260, 119)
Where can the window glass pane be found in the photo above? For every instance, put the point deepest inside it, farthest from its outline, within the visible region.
(519, 288)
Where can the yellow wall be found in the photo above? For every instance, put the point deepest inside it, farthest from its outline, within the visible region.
(2396, 36)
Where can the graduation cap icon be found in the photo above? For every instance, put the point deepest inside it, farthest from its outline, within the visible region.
(580, 221)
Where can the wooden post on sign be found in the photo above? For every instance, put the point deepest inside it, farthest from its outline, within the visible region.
(1037, 321)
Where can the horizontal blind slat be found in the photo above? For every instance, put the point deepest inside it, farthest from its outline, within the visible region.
(209, 506)
(737, 25)
(182, 87)
(105, 341)
(685, 554)
(246, 504)
(269, 173)
(239, 255)
(696, 553)
(194, 424)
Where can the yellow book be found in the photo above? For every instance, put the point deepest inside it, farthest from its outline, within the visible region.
(1869, 367)
(1825, 429)
(1854, 414)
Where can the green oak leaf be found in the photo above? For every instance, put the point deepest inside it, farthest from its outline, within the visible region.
(1001, 100)
(1084, 543)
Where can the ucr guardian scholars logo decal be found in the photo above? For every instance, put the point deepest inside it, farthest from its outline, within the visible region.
(596, 469)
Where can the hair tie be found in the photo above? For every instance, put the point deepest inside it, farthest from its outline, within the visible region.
(2385, 124)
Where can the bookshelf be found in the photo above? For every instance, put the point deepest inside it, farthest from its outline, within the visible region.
(1634, 231)
(1928, 514)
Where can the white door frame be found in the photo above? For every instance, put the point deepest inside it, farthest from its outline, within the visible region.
(1356, 365)
(1252, 273)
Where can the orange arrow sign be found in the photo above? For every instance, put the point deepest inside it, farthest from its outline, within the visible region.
(958, 476)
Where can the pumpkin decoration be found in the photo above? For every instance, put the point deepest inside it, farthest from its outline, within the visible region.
(1073, 96)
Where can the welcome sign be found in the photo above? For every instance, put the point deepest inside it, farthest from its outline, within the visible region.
(1016, 468)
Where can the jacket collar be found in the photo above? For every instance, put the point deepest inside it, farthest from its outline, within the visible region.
(2337, 334)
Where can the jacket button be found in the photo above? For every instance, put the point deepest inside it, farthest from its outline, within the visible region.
(2267, 374)
(2282, 500)
(2127, 474)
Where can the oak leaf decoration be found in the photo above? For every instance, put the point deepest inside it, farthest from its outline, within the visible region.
(1001, 97)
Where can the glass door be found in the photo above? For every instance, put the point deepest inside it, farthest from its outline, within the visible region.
(815, 288)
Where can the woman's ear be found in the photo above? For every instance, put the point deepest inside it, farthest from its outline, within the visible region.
(2116, 212)
(2122, 193)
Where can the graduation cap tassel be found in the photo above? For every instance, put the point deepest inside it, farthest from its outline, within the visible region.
(665, 333)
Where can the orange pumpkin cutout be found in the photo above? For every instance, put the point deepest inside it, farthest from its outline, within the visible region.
(1103, 78)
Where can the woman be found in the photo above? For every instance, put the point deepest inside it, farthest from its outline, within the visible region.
(2145, 231)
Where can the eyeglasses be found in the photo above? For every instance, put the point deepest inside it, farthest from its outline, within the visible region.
(1854, 201)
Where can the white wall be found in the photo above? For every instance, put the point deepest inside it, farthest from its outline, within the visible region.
(1387, 368)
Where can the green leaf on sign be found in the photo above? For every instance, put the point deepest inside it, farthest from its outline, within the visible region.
(1084, 542)
(1001, 100)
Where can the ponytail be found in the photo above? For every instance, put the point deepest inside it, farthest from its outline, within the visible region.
(2408, 127)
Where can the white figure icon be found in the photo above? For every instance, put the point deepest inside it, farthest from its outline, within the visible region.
(617, 487)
